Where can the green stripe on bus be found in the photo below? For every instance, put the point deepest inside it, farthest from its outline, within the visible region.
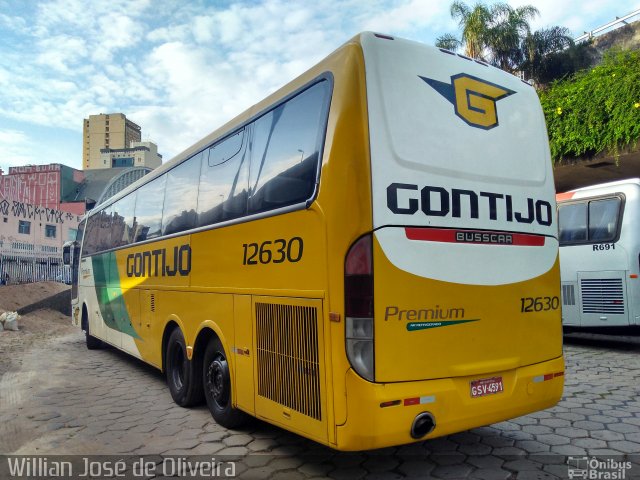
(425, 325)
(110, 299)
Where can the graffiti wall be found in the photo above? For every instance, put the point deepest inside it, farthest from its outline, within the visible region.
(36, 212)
(36, 218)
(31, 240)
(34, 184)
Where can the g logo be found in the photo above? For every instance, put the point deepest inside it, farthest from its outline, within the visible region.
(474, 100)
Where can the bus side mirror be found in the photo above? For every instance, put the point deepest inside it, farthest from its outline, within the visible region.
(67, 252)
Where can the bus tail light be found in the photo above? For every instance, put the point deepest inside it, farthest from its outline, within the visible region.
(358, 285)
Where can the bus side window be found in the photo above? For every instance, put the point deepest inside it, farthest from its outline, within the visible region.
(223, 181)
(285, 151)
(92, 228)
(149, 209)
(603, 219)
(572, 220)
(181, 197)
(123, 219)
(104, 234)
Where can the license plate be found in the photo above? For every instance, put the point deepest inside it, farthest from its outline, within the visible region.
(486, 386)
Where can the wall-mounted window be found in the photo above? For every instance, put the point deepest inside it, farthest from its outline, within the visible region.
(24, 227)
(50, 231)
(122, 162)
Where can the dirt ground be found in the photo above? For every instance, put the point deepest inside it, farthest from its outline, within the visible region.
(35, 327)
(13, 297)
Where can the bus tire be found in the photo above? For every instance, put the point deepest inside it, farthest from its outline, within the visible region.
(183, 375)
(216, 381)
(92, 342)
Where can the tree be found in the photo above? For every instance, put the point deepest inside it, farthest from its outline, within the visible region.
(504, 37)
(595, 110)
(474, 23)
(491, 33)
(448, 42)
(548, 54)
(501, 35)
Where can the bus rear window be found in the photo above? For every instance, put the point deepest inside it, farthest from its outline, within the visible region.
(589, 221)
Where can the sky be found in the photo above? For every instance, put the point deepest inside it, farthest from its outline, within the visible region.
(181, 68)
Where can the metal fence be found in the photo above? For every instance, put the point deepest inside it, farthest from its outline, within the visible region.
(617, 23)
(18, 266)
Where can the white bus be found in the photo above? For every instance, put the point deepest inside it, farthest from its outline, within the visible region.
(599, 255)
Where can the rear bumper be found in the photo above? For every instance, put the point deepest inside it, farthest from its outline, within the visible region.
(449, 400)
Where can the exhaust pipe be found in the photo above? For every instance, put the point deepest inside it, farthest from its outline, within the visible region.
(422, 425)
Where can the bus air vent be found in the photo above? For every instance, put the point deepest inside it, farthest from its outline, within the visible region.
(568, 295)
(288, 361)
(602, 295)
(152, 302)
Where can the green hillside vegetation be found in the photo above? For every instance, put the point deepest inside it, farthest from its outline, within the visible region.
(595, 110)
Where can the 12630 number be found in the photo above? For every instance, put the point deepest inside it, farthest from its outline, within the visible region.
(539, 304)
(273, 251)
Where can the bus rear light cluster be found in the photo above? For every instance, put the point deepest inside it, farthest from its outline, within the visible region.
(359, 338)
(548, 376)
(358, 285)
(408, 402)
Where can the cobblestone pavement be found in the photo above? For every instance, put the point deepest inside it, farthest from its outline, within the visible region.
(68, 400)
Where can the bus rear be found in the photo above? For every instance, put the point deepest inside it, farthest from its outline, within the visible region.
(452, 301)
(599, 250)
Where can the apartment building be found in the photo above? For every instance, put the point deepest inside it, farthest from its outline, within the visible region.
(106, 131)
(140, 154)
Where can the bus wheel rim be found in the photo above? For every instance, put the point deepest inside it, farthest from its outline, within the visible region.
(217, 382)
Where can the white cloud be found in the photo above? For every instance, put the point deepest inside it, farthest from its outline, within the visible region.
(181, 69)
(12, 23)
(407, 16)
(71, 13)
(61, 52)
(15, 146)
(204, 28)
(116, 32)
(171, 33)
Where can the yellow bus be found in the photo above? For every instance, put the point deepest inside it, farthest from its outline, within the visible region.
(368, 257)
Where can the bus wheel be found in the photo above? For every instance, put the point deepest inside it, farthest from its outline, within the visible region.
(183, 375)
(217, 387)
(92, 342)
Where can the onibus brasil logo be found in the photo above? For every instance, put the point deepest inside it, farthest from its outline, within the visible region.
(474, 100)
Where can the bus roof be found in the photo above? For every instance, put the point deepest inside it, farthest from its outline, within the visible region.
(260, 108)
(564, 196)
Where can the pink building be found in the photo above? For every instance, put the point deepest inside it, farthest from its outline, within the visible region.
(38, 213)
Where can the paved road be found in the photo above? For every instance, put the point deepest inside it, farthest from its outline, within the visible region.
(64, 399)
